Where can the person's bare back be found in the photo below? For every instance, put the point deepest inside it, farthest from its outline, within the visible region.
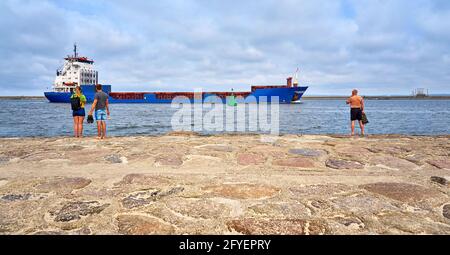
(355, 101)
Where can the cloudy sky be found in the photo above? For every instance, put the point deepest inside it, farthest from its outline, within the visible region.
(379, 46)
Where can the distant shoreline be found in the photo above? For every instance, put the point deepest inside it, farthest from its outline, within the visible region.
(20, 97)
(303, 98)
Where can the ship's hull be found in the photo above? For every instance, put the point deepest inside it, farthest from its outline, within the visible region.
(270, 94)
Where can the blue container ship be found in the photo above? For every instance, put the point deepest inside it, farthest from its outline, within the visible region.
(79, 71)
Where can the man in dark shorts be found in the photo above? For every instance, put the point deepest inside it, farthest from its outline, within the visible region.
(101, 106)
(356, 110)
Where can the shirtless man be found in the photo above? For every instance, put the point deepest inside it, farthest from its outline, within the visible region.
(356, 110)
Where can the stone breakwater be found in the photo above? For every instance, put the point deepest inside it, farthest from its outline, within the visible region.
(225, 184)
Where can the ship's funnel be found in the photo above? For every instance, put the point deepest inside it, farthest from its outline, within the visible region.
(289, 82)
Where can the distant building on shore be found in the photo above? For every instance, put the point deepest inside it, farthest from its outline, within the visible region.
(420, 92)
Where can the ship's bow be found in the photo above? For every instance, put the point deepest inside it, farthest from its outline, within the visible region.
(58, 97)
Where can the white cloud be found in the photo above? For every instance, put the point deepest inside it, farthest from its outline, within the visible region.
(381, 46)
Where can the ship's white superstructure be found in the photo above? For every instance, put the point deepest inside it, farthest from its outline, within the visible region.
(76, 71)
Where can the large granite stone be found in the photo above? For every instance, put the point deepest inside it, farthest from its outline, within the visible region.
(63, 184)
(439, 180)
(352, 152)
(347, 224)
(343, 164)
(307, 152)
(289, 210)
(169, 160)
(74, 210)
(243, 191)
(140, 198)
(446, 211)
(389, 149)
(113, 158)
(198, 208)
(16, 197)
(363, 205)
(143, 225)
(400, 191)
(145, 197)
(407, 223)
(321, 205)
(317, 190)
(294, 162)
(218, 147)
(440, 163)
(143, 180)
(418, 159)
(246, 158)
(393, 162)
(278, 226)
(214, 152)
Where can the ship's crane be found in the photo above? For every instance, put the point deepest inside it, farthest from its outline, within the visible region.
(296, 77)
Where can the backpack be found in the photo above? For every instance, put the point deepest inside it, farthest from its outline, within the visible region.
(76, 103)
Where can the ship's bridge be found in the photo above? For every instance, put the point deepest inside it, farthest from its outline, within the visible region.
(76, 71)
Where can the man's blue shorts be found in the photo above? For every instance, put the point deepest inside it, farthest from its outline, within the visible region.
(100, 115)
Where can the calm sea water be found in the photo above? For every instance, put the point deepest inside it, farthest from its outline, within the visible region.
(30, 118)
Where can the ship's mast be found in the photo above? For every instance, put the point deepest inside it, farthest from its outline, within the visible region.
(75, 50)
(296, 78)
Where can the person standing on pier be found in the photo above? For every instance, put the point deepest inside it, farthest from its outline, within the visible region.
(78, 100)
(101, 106)
(356, 111)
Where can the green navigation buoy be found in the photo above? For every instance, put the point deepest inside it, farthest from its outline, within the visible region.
(231, 100)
